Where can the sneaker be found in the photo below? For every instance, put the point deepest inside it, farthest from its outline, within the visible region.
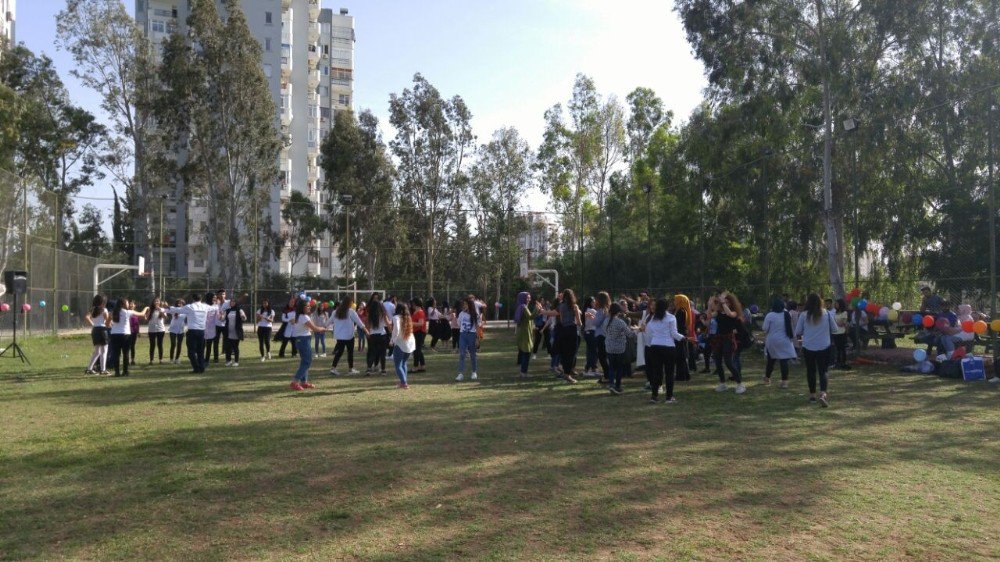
(334, 372)
(670, 400)
(812, 398)
(229, 363)
(105, 373)
(268, 355)
(296, 386)
(474, 377)
(740, 388)
(89, 372)
(308, 385)
(569, 379)
(654, 401)
(353, 372)
(614, 390)
(235, 364)
(784, 384)
(722, 387)
(995, 380)
(534, 356)
(382, 373)
(262, 359)
(460, 377)
(402, 386)
(767, 381)
(822, 400)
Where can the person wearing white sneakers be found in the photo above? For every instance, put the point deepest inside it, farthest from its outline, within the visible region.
(468, 322)
(779, 346)
(728, 316)
(816, 328)
(403, 342)
(234, 319)
(178, 324)
(265, 319)
(661, 353)
(344, 320)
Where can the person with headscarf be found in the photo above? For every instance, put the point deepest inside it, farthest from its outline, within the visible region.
(686, 327)
(524, 331)
(779, 346)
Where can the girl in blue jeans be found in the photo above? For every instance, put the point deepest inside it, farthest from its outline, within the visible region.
(468, 322)
(403, 343)
(302, 328)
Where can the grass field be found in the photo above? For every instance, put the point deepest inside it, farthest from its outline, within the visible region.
(233, 465)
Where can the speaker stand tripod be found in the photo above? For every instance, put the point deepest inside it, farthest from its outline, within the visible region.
(15, 350)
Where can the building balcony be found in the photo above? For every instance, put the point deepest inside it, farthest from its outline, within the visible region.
(313, 59)
(313, 10)
(285, 4)
(313, 33)
(313, 80)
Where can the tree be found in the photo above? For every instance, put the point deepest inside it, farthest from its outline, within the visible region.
(121, 227)
(302, 225)
(88, 233)
(215, 106)
(433, 140)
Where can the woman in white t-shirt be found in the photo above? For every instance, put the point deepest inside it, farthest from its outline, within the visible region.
(344, 321)
(265, 321)
(468, 325)
(156, 326)
(403, 342)
(321, 318)
(98, 318)
(121, 333)
(302, 328)
(178, 323)
(234, 319)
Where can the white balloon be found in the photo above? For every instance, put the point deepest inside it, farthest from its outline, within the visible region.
(897, 306)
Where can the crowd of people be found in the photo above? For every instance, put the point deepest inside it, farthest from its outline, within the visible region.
(665, 338)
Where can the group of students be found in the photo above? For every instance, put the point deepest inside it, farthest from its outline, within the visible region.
(669, 336)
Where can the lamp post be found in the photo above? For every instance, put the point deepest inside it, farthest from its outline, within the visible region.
(851, 126)
(647, 188)
(507, 252)
(765, 153)
(993, 221)
(162, 286)
(345, 200)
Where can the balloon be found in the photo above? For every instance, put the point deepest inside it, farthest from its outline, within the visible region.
(919, 355)
(918, 320)
(942, 324)
(928, 321)
(754, 309)
(959, 353)
(854, 302)
(354, 306)
(312, 302)
(979, 327)
(872, 309)
(897, 306)
(41, 304)
(26, 307)
(893, 316)
(967, 326)
(995, 325)
(331, 303)
(4, 307)
(906, 318)
(855, 293)
(863, 304)
(883, 312)
(65, 308)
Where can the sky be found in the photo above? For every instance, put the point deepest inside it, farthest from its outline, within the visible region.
(509, 61)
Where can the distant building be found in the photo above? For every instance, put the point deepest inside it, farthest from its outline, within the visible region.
(308, 59)
(534, 241)
(7, 11)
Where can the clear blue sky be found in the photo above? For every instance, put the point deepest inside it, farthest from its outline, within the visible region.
(510, 60)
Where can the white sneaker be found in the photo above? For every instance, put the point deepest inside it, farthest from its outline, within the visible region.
(353, 371)
(995, 380)
(334, 372)
(722, 387)
(740, 389)
(229, 363)
(474, 376)
(268, 355)
(235, 364)
(262, 359)
(534, 356)
(460, 377)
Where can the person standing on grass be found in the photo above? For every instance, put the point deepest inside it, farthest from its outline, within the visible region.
(133, 337)
(686, 326)
(779, 341)
(378, 338)
(728, 316)
(345, 319)
(302, 330)
(568, 323)
(121, 335)
(453, 324)
(539, 325)
(178, 322)
(156, 328)
(321, 318)
(212, 330)
(403, 342)
(602, 302)
(265, 319)
(840, 334)
(433, 316)
(219, 339)
(816, 328)
(468, 325)
(419, 319)
(98, 319)
(362, 333)
(523, 331)
(235, 317)
(196, 315)
(589, 339)
(661, 352)
(616, 335)
(285, 331)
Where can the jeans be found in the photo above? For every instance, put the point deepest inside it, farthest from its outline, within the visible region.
(617, 367)
(523, 358)
(155, 342)
(176, 344)
(591, 362)
(399, 358)
(319, 341)
(816, 361)
(233, 351)
(264, 340)
(947, 343)
(304, 345)
(730, 355)
(467, 342)
(196, 350)
(338, 351)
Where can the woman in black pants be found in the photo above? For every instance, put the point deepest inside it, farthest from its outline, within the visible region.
(816, 327)
(661, 353)
(567, 326)
(378, 338)
(729, 314)
(433, 316)
(265, 319)
(156, 327)
(539, 325)
(287, 317)
(233, 332)
(685, 326)
(419, 323)
(177, 325)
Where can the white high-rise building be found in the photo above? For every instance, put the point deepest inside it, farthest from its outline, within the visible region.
(308, 59)
(7, 12)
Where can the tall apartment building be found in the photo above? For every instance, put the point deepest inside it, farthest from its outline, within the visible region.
(534, 241)
(308, 59)
(7, 12)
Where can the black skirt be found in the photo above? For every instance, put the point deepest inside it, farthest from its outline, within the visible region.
(99, 335)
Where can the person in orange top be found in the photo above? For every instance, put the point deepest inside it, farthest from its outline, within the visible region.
(419, 320)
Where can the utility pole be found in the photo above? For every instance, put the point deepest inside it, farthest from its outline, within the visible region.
(647, 188)
(767, 233)
(162, 286)
(55, 266)
(993, 219)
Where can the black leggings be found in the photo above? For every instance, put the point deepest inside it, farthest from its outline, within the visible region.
(118, 353)
(770, 367)
(176, 345)
(284, 342)
(660, 363)
(816, 361)
(232, 350)
(840, 344)
(264, 340)
(681, 361)
(454, 338)
(728, 354)
(567, 342)
(538, 341)
(213, 346)
(155, 342)
(338, 350)
(418, 352)
(432, 325)
(602, 357)
(377, 344)
(130, 354)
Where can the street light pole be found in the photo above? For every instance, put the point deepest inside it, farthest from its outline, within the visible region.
(162, 286)
(993, 224)
(647, 188)
(767, 233)
(851, 126)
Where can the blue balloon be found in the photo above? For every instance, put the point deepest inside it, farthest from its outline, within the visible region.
(862, 304)
(919, 355)
(918, 320)
(41, 304)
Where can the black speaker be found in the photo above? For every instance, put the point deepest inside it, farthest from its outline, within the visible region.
(16, 281)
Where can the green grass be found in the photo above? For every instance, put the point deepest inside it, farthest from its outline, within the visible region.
(232, 465)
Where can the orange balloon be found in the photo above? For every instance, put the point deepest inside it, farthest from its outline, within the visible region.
(995, 325)
(979, 327)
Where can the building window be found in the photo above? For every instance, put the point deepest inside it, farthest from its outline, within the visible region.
(324, 112)
(323, 91)
(268, 18)
(163, 13)
(158, 26)
(267, 44)
(344, 99)
(326, 71)
(267, 72)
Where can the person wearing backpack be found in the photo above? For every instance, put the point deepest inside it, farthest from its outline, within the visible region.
(779, 346)
(816, 328)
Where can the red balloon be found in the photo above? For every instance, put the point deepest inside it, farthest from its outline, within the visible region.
(967, 326)
(928, 321)
(959, 353)
(872, 308)
(906, 318)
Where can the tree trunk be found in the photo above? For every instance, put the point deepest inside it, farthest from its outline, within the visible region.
(833, 255)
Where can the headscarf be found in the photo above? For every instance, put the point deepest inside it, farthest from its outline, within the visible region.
(682, 304)
(778, 306)
(964, 312)
(522, 303)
